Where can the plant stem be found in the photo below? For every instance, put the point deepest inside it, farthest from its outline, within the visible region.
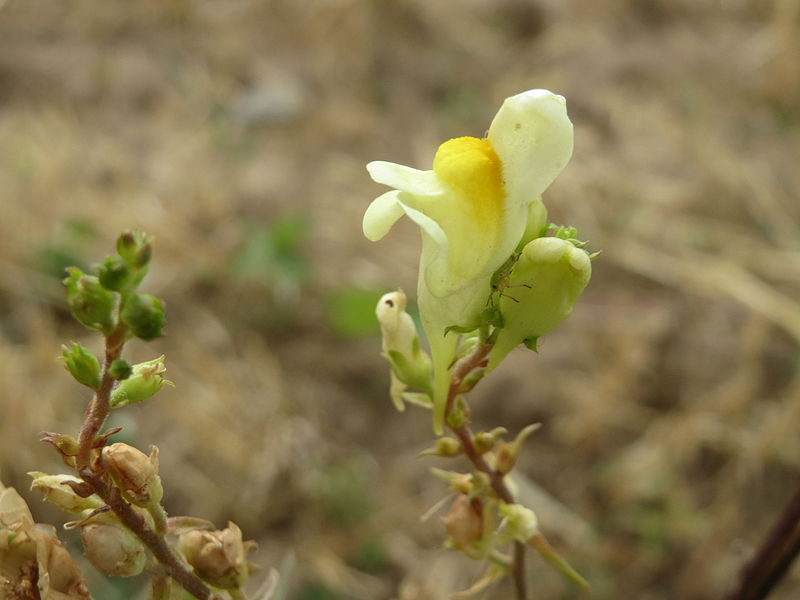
(460, 370)
(98, 409)
(155, 541)
(776, 554)
(157, 544)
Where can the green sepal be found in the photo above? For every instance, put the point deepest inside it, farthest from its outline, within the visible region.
(414, 371)
(144, 316)
(81, 364)
(532, 343)
(91, 304)
(115, 274)
(418, 399)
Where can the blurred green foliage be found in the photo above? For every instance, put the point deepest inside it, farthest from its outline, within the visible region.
(351, 312)
(275, 253)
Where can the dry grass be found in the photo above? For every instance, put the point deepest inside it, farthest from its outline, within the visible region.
(670, 400)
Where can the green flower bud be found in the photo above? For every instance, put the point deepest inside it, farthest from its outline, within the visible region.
(120, 369)
(521, 523)
(82, 365)
(542, 288)
(57, 491)
(484, 441)
(127, 245)
(444, 446)
(115, 274)
(113, 549)
(134, 248)
(144, 381)
(144, 315)
(90, 302)
(507, 452)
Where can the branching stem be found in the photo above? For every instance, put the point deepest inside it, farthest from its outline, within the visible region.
(460, 370)
(155, 540)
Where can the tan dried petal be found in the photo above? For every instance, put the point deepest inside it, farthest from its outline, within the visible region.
(219, 557)
(33, 562)
(464, 522)
(132, 470)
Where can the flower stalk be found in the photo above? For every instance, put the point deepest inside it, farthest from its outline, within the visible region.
(493, 275)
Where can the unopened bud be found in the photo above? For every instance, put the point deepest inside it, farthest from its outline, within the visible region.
(120, 369)
(444, 446)
(135, 473)
(114, 274)
(410, 365)
(56, 490)
(543, 286)
(134, 248)
(218, 557)
(145, 380)
(484, 441)
(127, 245)
(465, 522)
(505, 458)
(507, 453)
(113, 549)
(521, 523)
(144, 315)
(82, 365)
(90, 302)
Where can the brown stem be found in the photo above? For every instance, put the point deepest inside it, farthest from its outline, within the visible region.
(460, 370)
(176, 568)
(96, 415)
(99, 407)
(776, 554)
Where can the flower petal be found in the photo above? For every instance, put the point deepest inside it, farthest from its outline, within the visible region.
(381, 215)
(406, 179)
(532, 135)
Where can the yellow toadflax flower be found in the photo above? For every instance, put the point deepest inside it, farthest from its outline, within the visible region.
(473, 209)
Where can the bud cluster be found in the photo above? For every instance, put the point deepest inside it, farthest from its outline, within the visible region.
(109, 299)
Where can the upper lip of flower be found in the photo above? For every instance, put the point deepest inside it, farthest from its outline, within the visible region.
(473, 218)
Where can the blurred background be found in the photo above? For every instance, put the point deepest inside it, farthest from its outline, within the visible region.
(236, 133)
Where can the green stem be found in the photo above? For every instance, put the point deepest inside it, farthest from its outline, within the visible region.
(539, 543)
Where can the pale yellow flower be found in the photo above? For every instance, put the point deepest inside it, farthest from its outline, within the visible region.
(473, 208)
